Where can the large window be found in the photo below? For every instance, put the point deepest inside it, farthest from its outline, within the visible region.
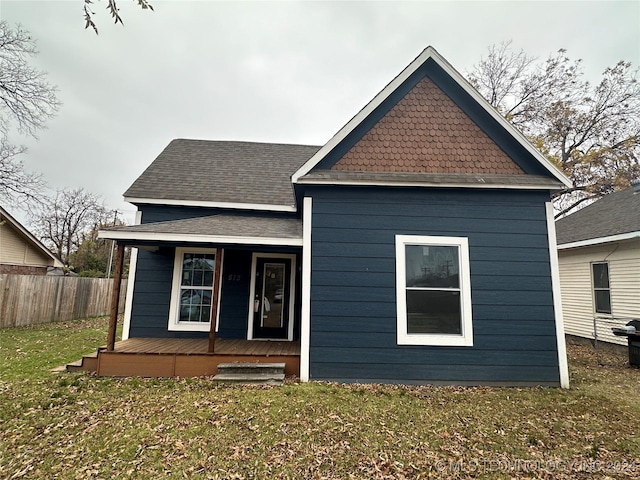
(192, 293)
(433, 291)
(601, 290)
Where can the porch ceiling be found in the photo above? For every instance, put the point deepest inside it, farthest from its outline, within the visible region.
(231, 229)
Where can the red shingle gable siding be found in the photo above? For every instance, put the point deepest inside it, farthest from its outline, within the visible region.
(427, 132)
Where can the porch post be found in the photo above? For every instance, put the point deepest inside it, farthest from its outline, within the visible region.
(214, 302)
(115, 299)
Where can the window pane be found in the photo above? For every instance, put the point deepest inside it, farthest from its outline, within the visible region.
(195, 305)
(432, 266)
(272, 304)
(197, 269)
(600, 275)
(433, 312)
(603, 301)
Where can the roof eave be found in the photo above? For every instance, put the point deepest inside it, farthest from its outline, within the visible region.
(207, 204)
(124, 236)
(599, 240)
(427, 184)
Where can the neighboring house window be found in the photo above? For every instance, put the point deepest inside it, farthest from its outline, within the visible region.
(192, 294)
(433, 291)
(601, 289)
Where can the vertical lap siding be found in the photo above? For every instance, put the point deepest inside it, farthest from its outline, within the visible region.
(353, 295)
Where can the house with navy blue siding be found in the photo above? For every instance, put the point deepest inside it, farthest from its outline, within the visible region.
(416, 246)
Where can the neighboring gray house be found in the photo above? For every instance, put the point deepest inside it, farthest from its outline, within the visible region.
(599, 256)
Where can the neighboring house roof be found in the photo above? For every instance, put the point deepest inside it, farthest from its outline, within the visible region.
(232, 229)
(225, 174)
(611, 218)
(442, 154)
(29, 238)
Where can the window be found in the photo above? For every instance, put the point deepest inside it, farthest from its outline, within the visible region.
(192, 294)
(433, 291)
(601, 290)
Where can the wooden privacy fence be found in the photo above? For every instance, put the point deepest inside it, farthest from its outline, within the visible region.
(30, 299)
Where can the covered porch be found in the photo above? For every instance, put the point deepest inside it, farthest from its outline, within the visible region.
(243, 272)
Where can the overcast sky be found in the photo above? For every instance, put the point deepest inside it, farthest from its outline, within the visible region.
(289, 72)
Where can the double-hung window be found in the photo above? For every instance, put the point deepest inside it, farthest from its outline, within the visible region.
(433, 291)
(601, 289)
(192, 294)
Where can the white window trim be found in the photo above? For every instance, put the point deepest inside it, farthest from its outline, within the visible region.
(436, 339)
(174, 308)
(594, 289)
(292, 291)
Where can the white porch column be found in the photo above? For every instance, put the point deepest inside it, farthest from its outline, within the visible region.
(305, 327)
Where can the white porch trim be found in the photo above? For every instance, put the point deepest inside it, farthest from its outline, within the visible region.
(557, 298)
(191, 238)
(305, 327)
(131, 281)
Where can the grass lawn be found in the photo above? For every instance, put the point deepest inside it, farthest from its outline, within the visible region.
(78, 426)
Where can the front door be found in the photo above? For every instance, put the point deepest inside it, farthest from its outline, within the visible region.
(272, 297)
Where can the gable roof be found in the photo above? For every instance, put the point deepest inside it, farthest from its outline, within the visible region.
(28, 236)
(227, 174)
(611, 218)
(429, 55)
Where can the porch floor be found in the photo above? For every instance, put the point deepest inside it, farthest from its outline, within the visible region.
(199, 346)
(170, 357)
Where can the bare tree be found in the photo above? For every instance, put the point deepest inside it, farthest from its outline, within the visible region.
(113, 9)
(27, 101)
(66, 220)
(16, 183)
(591, 132)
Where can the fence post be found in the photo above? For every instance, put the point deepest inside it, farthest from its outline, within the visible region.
(115, 299)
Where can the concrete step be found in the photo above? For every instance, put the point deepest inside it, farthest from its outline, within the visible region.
(251, 368)
(255, 378)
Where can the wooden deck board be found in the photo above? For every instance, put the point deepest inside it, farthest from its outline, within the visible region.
(199, 347)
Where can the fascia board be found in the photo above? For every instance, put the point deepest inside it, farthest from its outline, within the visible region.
(226, 205)
(190, 238)
(373, 183)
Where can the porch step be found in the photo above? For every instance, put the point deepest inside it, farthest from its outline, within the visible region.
(254, 373)
(88, 363)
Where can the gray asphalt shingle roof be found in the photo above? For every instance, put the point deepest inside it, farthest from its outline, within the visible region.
(223, 171)
(613, 214)
(217, 225)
